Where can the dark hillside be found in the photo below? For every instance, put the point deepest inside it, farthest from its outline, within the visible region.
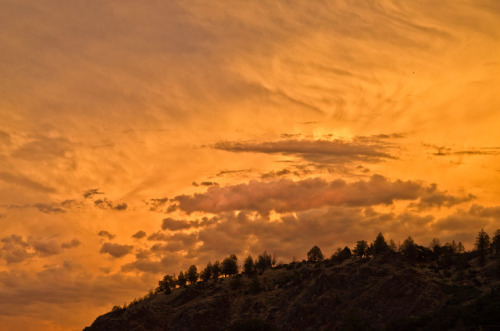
(377, 293)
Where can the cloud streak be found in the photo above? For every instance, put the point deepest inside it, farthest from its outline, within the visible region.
(365, 149)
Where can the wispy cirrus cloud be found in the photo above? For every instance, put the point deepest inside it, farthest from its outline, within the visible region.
(25, 181)
(473, 151)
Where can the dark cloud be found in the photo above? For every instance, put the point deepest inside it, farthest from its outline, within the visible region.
(478, 210)
(205, 183)
(470, 220)
(287, 195)
(367, 149)
(449, 151)
(157, 204)
(116, 250)
(175, 225)
(72, 204)
(71, 244)
(91, 192)
(438, 199)
(158, 236)
(21, 180)
(292, 234)
(232, 172)
(15, 249)
(106, 234)
(46, 247)
(274, 174)
(120, 206)
(106, 204)
(139, 235)
(49, 208)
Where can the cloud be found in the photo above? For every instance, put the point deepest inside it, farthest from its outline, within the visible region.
(43, 148)
(46, 247)
(440, 150)
(366, 149)
(52, 207)
(71, 244)
(15, 249)
(478, 210)
(186, 239)
(157, 204)
(46, 208)
(116, 250)
(91, 192)
(287, 195)
(106, 234)
(438, 199)
(24, 181)
(471, 220)
(152, 266)
(49, 208)
(4, 138)
(139, 235)
(233, 172)
(106, 204)
(120, 206)
(204, 184)
(175, 225)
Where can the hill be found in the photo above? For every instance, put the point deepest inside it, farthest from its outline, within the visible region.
(387, 292)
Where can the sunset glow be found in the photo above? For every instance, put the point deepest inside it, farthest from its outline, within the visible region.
(138, 138)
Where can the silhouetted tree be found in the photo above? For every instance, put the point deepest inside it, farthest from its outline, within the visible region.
(370, 251)
(192, 274)
(216, 269)
(435, 246)
(346, 253)
(360, 249)
(341, 255)
(495, 244)
(249, 266)
(181, 279)
(379, 245)
(482, 245)
(206, 273)
(315, 254)
(230, 265)
(392, 246)
(409, 249)
(166, 284)
(264, 261)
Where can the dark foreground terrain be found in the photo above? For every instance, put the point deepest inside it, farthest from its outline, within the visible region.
(381, 293)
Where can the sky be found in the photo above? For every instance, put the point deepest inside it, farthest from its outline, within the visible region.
(138, 138)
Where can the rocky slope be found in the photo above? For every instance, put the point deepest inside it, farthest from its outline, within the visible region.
(377, 294)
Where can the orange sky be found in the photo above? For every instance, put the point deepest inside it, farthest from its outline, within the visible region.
(232, 127)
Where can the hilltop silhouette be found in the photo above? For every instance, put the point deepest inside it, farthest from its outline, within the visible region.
(375, 286)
